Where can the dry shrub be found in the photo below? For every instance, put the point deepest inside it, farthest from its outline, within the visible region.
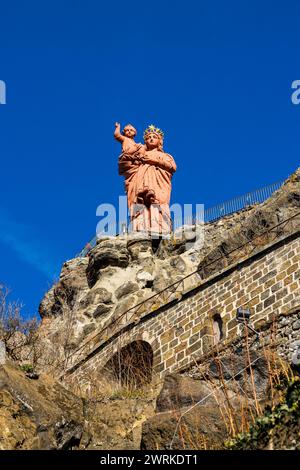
(238, 400)
(127, 374)
(131, 366)
(18, 334)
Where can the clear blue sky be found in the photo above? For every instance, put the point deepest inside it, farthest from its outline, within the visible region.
(216, 76)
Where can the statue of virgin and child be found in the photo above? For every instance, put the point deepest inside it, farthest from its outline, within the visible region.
(148, 172)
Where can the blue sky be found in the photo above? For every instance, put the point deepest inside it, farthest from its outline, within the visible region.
(216, 76)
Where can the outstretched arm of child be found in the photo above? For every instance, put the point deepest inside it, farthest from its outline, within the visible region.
(117, 133)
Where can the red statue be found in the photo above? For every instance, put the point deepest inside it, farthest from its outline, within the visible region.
(148, 171)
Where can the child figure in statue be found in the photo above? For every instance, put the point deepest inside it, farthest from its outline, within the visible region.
(129, 147)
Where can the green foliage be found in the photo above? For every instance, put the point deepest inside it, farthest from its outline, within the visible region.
(287, 412)
(27, 368)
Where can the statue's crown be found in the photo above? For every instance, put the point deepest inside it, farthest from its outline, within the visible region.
(154, 129)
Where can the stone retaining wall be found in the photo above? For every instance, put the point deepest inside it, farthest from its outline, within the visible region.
(268, 283)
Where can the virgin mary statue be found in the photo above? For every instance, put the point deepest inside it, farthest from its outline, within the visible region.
(148, 172)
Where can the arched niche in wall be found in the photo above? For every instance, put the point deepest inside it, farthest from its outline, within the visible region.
(217, 328)
(131, 366)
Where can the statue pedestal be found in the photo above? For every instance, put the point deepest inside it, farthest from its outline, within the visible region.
(153, 221)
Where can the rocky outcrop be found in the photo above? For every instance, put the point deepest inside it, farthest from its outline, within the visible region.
(63, 295)
(111, 252)
(42, 414)
(195, 411)
(116, 422)
(37, 414)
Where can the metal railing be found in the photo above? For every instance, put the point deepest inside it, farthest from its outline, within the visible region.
(209, 215)
(238, 203)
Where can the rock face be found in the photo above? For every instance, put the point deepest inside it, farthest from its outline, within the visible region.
(193, 412)
(189, 412)
(111, 252)
(37, 414)
(42, 414)
(122, 272)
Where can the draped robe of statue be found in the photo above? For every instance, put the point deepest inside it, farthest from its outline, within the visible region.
(148, 187)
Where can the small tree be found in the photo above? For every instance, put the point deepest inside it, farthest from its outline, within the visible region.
(18, 334)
